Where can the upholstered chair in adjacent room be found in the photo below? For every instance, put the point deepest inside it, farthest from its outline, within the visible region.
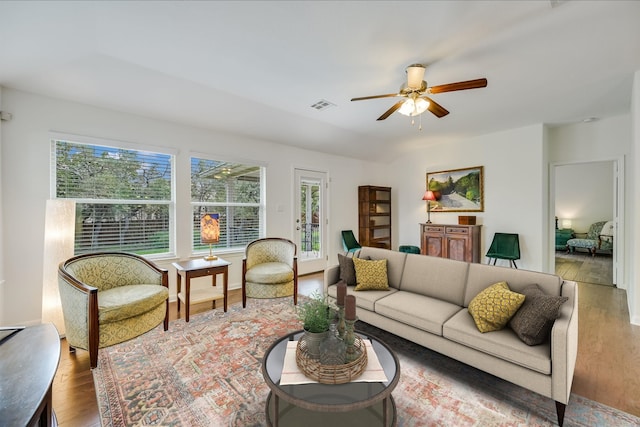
(270, 269)
(111, 297)
(593, 241)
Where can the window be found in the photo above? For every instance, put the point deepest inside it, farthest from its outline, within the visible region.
(123, 197)
(232, 190)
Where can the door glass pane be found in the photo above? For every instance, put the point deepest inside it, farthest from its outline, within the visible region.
(310, 219)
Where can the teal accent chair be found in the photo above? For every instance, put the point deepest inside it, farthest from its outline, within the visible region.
(349, 242)
(504, 246)
(592, 242)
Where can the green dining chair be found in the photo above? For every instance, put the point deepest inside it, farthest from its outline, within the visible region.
(504, 246)
(349, 242)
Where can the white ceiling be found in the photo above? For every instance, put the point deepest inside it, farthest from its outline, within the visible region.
(255, 68)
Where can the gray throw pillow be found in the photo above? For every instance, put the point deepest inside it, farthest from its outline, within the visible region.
(534, 320)
(347, 270)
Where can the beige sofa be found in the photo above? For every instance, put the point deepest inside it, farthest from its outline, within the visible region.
(427, 303)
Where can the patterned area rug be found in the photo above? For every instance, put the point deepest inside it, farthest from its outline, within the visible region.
(207, 373)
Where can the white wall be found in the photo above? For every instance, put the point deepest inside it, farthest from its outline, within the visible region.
(604, 140)
(514, 188)
(2, 297)
(633, 188)
(26, 182)
(584, 194)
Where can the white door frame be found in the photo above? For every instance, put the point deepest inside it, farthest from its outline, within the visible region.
(318, 263)
(618, 191)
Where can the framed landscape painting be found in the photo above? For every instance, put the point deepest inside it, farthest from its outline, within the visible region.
(457, 190)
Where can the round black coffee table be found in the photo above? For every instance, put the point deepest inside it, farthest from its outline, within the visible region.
(355, 404)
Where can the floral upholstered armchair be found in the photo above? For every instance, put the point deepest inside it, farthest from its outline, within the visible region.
(594, 240)
(111, 297)
(270, 269)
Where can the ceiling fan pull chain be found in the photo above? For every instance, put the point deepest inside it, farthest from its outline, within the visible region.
(420, 126)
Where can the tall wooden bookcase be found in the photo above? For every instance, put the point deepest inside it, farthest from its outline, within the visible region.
(374, 212)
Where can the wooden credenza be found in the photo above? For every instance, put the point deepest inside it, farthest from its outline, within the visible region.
(459, 242)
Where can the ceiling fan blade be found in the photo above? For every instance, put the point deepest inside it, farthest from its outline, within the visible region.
(391, 110)
(469, 84)
(389, 95)
(436, 108)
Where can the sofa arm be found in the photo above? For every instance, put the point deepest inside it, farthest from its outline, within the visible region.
(564, 344)
(331, 276)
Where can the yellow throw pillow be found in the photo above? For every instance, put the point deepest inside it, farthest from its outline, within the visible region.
(492, 308)
(371, 275)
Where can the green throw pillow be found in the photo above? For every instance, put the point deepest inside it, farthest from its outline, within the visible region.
(533, 322)
(371, 275)
(492, 308)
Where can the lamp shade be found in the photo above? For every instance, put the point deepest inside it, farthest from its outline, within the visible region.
(566, 223)
(429, 195)
(413, 107)
(210, 228)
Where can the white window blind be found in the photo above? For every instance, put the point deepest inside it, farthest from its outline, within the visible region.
(234, 191)
(123, 196)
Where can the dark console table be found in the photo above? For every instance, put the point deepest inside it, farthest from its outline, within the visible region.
(28, 363)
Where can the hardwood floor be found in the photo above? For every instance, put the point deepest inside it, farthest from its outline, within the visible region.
(607, 369)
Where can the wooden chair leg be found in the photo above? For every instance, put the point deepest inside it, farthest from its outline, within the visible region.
(560, 408)
(244, 283)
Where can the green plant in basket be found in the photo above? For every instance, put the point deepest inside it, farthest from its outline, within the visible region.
(316, 314)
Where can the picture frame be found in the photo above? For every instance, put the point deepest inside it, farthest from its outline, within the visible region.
(457, 190)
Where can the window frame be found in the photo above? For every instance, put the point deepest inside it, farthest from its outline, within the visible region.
(261, 205)
(54, 137)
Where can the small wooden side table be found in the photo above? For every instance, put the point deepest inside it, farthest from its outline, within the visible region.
(200, 268)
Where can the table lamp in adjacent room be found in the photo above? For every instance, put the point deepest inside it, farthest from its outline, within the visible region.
(429, 196)
(210, 233)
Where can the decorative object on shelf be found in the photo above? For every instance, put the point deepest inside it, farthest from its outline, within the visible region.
(466, 220)
(429, 196)
(316, 316)
(332, 349)
(461, 190)
(210, 232)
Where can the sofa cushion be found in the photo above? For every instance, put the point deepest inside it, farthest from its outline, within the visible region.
(128, 301)
(270, 272)
(503, 344)
(435, 277)
(419, 311)
(482, 276)
(371, 275)
(364, 300)
(493, 307)
(395, 262)
(534, 320)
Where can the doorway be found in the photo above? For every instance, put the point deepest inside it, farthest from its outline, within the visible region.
(310, 220)
(584, 193)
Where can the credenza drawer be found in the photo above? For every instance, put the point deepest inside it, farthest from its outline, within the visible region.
(457, 230)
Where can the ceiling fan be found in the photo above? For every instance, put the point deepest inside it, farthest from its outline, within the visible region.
(415, 92)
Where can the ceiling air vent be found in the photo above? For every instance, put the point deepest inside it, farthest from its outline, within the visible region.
(323, 104)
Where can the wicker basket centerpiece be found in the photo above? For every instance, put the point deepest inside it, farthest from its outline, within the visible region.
(332, 374)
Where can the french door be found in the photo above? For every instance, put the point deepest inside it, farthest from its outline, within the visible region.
(310, 220)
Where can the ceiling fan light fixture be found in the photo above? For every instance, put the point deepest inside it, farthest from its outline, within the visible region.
(415, 74)
(414, 107)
